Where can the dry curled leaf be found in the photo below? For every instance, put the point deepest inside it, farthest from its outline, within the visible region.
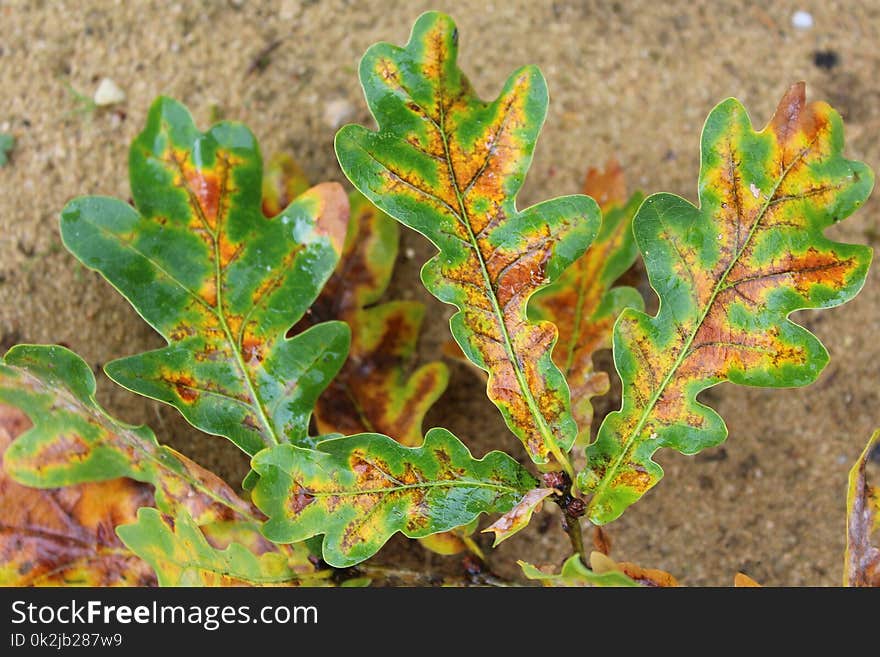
(520, 515)
(862, 561)
(652, 577)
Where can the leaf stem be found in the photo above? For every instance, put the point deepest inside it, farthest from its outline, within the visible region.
(572, 509)
(465, 219)
(572, 527)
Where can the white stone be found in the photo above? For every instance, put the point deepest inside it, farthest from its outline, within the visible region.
(108, 93)
(802, 20)
(337, 112)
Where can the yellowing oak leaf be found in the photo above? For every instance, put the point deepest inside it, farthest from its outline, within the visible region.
(72, 475)
(66, 536)
(449, 165)
(729, 273)
(221, 282)
(360, 490)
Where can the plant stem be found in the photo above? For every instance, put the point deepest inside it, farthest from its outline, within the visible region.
(572, 509)
(572, 527)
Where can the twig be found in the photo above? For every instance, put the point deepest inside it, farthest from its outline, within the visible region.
(262, 59)
(572, 509)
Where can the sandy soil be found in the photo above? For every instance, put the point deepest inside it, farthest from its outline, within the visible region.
(631, 79)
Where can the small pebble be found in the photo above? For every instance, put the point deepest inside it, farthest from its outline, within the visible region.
(337, 112)
(802, 20)
(108, 93)
(410, 253)
(826, 59)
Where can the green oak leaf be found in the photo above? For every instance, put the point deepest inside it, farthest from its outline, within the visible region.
(359, 490)
(728, 274)
(449, 165)
(7, 143)
(217, 279)
(575, 574)
(180, 554)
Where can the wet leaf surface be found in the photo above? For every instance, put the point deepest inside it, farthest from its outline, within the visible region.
(217, 279)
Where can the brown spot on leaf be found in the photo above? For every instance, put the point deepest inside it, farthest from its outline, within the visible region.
(183, 384)
(299, 498)
(208, 292)
(787, 116)
(252, 349)
(207, 190)
(371, 474)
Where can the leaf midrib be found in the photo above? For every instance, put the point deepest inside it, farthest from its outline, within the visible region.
(269, 428)
(611, 471)
(465, 220)
(458, 483)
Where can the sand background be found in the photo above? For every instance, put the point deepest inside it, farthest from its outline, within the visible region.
(629, 79)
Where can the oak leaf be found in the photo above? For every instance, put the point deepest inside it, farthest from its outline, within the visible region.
(71, 475)
(729, 273)
(449, 165)
(862, 561)
(359, 490)
(218, 280)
